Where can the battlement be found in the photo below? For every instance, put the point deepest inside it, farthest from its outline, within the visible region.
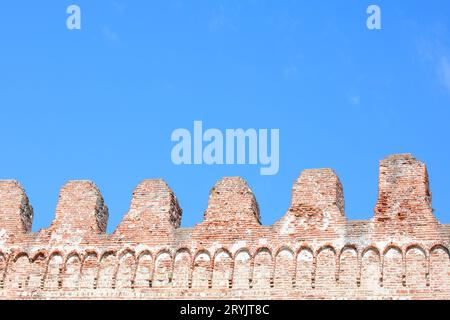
(312, 252)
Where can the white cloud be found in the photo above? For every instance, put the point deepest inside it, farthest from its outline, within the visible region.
(290, 71)
(220, 21)
(434, 49)
(119, 7)
(444, 71)
(109, 34)
(355, 100)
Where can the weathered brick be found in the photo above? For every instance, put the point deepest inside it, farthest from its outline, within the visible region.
(312, 252)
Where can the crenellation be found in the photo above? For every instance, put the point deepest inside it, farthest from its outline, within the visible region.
(232, 201)
(154, 213)
(404, 199)
(80, 216)
(317, 207)
(16, 213)
(231, 213)
(313, 252)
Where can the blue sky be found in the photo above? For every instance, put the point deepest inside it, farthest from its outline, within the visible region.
(101, 103)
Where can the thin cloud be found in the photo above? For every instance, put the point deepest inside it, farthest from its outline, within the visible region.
(110, 35)
(435, 50)
(220, 21)
(355, 100)
(119, 7)
(290, 71)
(444, 71)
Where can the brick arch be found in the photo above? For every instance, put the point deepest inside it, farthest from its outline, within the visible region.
(202, 270)
(17, 255)
(416, 267)
(3, 267)
(284, 268)
(371, 247)
(55, 263)
(89, 270)
(107, 269)
(163, 268)
(347, 247)
(38, 253)
(304, 248)
(223, 269)
(223, 249)
(262, 274)
(371, 268)
(266, 249)
(144, 270)
(439, 266)
(418, 247)
(125, 251)
(262, 248)
(70, 254)
(184, 249)
(242, 271)
(143, 253)
(390, 247)
(38, 263)
(304, 259)
(126, 269)
(201, 251)
(348, 266)
(327, 247)
(182, 269)
(71, 271)
(326, 268)
(439, 247)
(393, 268)
(284, 248)
(240, 250)
(18, 271)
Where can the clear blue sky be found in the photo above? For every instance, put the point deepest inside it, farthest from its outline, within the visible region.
(101, 103)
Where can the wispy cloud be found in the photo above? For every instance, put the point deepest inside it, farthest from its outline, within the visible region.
(435, 50)
(119, 7)
(110, 35)
(219, 20)
(290, 71)
(355, 100)
(444, 71)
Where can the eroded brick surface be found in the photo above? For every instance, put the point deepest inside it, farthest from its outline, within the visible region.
(312, 252)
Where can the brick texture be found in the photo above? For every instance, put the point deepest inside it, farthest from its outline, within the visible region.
(312, 252)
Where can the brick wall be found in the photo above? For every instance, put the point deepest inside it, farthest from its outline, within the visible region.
(312, 252)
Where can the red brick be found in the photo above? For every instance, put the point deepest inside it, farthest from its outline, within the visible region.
(312, 252)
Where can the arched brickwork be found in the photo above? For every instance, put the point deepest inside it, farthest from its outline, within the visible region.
(348, 271)
(222, 270)
(53, 277)
(371, 270)
(242, 269)
(201, 274)
(162, 275)
(262, 269)
(312, 252)
(305, 269)
(89, 271)
(72, 272)
(182, 270)
(126, 270)
(144, 270)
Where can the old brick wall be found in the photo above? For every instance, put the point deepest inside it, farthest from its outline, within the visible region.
(312, 252)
